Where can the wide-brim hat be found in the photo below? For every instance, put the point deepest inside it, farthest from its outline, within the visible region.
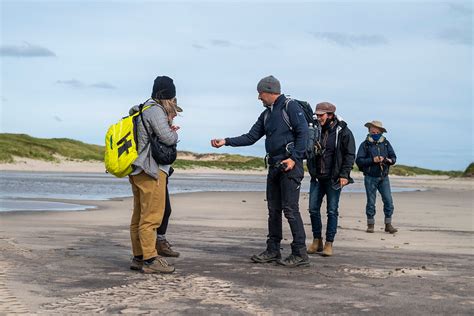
(377, 124)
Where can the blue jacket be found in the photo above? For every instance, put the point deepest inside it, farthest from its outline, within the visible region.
(368, 150)
(277, 132)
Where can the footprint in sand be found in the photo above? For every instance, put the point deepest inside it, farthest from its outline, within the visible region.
(9, 304)
(156, 292)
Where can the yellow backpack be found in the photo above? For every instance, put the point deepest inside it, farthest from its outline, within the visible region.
(121, 146)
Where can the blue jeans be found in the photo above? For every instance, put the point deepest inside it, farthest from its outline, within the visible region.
(372, 185)
(318, 189)
(283, 193)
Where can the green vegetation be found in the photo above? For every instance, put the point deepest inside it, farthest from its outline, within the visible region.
(225, 161)
(469, 172)
(21, 145)
(402, 170)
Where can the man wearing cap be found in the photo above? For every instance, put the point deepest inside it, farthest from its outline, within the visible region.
(374, 158)
(330, 171)
(285, 150)
(149, 178)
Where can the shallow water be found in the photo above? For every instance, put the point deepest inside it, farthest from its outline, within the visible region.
(19, 190)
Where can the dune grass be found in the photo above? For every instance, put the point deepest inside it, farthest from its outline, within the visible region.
(22, 145)
(25, 146)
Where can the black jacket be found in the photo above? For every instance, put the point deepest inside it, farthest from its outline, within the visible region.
(343, 158)
(277, 132)
(368, 150)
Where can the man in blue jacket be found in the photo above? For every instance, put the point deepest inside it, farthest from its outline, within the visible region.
(285, 146)
(374, 158)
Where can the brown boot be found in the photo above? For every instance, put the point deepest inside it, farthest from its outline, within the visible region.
(327, 251)
(316, 246)
(163, 248)
(390, 229)
(370, 228)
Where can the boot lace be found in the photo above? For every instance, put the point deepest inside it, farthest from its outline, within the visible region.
(163, 262)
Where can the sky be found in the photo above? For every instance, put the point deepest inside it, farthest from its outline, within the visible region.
(72, 68)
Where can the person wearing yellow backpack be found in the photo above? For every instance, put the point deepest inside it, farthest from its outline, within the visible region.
(149, 178)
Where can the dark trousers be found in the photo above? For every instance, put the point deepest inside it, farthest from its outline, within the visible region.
(166, 216)
(283, 193)
(319, 189)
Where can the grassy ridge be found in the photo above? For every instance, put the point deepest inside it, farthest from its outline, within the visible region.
(21, 145)
(226, 162)
(402, 170)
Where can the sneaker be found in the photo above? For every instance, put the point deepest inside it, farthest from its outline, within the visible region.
(266, 256)
(136, 264)
(293, 261)
(159, 265)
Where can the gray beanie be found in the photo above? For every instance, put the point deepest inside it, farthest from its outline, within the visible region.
(269, 84)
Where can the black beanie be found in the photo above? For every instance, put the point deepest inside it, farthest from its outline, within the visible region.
(163, 88)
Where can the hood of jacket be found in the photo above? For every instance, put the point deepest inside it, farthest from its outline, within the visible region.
(136, 108)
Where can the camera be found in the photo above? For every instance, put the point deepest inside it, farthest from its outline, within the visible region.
(281, 166)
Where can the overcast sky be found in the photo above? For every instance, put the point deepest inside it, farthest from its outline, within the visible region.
(72, 68)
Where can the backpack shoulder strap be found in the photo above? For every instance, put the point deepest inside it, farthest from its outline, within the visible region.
(265, 117)
(284, 111)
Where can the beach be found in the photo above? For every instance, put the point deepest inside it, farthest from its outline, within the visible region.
(78, 261)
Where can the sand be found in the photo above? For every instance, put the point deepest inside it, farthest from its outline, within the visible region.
(77, 262)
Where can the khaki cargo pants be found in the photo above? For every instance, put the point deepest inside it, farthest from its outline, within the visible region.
(149, 196)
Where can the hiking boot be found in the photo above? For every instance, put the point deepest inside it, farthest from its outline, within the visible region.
(293, 261)
(159, 265)
(316, 246)
(327, 251)
(136, 264)
(266, 256)
(163, 248)
(390, 229)
(370, 228)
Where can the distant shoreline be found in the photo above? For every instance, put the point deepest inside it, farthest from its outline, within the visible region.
(64, 165)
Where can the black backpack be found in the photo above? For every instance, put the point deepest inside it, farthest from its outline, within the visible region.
(314, 133)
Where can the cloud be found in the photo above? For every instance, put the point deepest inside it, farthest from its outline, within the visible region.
(103, 85)
(197, 46)
(456, 36)
(74, 83)
(71, 83)
(4, 99)
(220, 43)
(25, 50)
(460, 9)
(57, 118)
(350, 40)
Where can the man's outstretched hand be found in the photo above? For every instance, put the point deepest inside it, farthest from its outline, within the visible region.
(217, 142)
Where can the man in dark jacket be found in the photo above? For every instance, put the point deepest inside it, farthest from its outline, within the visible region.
(330, 172)
(374, 158)
(285, 150)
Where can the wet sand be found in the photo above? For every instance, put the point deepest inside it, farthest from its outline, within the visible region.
(77, 262)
